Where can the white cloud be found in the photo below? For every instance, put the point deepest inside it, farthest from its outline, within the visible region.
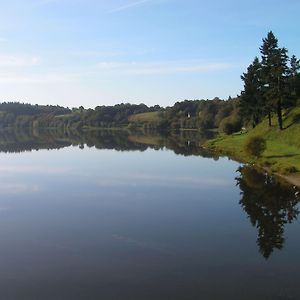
(91, 53)
(7, 60)
(103, 69)
(169, 67)
(129, 5)
(14, 78)
(45, 2)
(113, 53)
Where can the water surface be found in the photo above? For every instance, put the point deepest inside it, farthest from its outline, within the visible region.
(123, 216)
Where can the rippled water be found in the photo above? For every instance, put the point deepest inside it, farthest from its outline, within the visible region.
(124, 216)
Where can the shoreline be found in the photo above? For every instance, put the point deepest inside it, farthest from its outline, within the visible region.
(291, 179)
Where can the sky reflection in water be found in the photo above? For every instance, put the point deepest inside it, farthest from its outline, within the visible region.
(105, 224)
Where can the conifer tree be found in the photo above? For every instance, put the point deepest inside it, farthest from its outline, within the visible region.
(268, 49)
(252, 102)
(294, 79)
(274, 74)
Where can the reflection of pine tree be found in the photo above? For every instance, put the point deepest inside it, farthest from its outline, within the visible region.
(269, 205)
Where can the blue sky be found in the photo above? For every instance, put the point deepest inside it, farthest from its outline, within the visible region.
(88, 52)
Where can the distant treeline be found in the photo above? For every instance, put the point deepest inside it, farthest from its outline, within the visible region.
(204, 114)
(188, 114)
(23, 115)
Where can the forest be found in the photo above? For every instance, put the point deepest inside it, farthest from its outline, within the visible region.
(187, 114)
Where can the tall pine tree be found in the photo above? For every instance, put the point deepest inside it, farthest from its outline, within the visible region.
(294, 79)
(252, 102)
(274, 74)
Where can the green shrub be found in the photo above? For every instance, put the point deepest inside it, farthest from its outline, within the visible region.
(255, 146)
(227, 127)
(230, 124)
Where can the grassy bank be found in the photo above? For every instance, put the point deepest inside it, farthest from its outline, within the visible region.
(146, 117)
(282, 154)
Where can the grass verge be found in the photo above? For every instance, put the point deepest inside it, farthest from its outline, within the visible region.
(282, 154)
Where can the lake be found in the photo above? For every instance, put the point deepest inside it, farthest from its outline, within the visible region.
(107, 215)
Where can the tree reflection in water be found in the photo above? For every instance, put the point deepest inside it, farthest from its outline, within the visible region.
(184, 143)
(269, 204)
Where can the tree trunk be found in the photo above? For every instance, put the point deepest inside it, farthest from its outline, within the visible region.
(270, 119)
(279, 114)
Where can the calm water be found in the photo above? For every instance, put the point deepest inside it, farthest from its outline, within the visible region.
(117, 216)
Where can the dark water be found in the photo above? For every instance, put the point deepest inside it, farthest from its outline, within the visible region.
(125, 216)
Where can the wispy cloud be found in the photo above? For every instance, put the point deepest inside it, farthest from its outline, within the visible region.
(169, 67)
(92, 53)
(42, 78)
(114, 53)
(19, 61)
(45, 2)
(129, 5)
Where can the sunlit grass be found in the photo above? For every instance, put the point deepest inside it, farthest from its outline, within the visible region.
(283, 147)
(150, 117)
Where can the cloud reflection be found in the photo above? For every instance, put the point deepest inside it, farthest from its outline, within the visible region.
(34, 169)
(163, 181)
(18, 188)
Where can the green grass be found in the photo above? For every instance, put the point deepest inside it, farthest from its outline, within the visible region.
(282, 154)
(150, 117)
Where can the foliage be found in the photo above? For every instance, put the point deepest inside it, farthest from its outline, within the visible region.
(200, 114)
(283, 148)
(230, 124)
(252, 99)
(270, 85)
(188, 114)
(255, 146)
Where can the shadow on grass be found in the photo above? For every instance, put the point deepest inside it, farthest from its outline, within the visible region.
(282, 156)
(296, 119)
